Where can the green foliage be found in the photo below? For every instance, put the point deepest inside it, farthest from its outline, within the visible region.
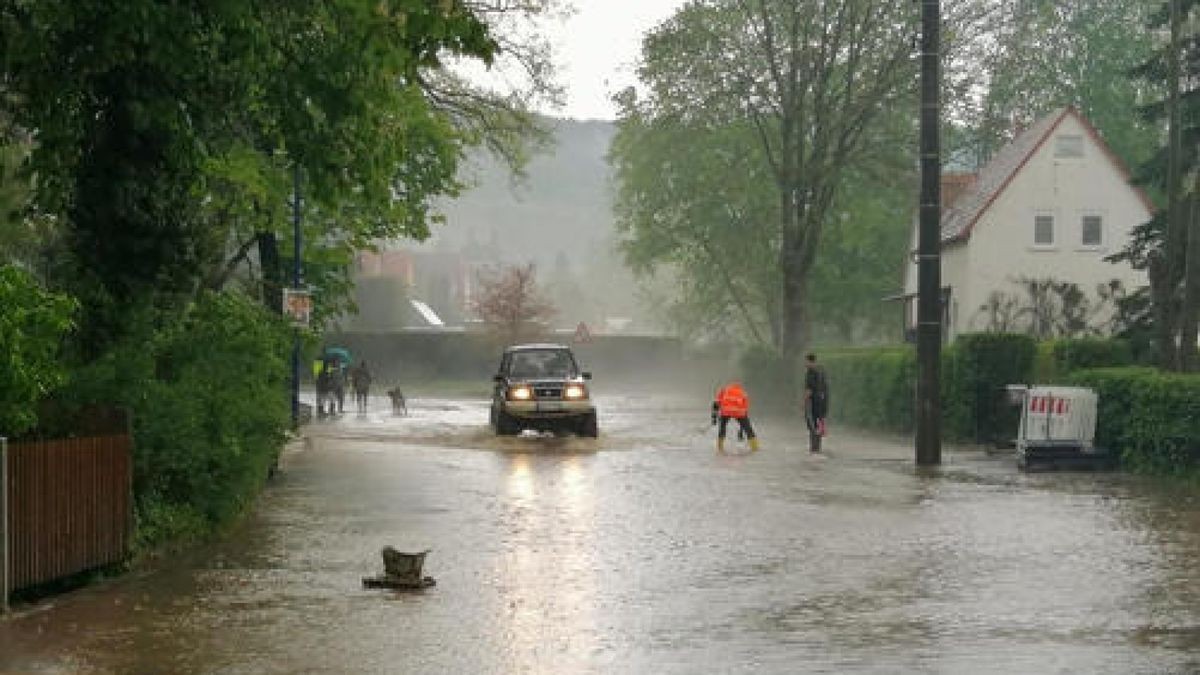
(771, 379)
(729, 173)
(1151, 418)
(1046, 54)
(166, 131)
(873, 388)
(33, 324)
(210, 407)
(981, 364)
(876, 388)
(1077, 354)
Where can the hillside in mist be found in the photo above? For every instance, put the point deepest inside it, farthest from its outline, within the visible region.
(562, 206)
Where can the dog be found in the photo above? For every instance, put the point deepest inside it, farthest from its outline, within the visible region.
(399, 405)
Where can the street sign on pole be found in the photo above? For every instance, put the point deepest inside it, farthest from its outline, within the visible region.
(298, 304)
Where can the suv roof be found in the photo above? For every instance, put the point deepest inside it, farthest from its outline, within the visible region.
(538, 345)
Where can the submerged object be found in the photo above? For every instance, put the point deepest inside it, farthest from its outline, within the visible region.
(402, 571)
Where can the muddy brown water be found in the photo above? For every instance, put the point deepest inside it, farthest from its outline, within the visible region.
(644, 552)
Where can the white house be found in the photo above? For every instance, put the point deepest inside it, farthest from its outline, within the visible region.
(1051, 204)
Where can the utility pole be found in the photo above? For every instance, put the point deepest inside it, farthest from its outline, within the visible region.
(3, 525)
(296, 274)
(929, 262)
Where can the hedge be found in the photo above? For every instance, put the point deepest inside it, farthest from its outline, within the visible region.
(876, 388)
(872, 388)
(1151, 418)
(1057, 359)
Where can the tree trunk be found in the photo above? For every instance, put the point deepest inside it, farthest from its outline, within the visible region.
(1174, 255)
(272, 273)
(1189, 314)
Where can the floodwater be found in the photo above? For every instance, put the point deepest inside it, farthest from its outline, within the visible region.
(645, 552)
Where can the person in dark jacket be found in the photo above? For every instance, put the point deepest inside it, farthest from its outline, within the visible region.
(816, 401)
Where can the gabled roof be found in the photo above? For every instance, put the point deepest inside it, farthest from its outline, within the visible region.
(960, 218)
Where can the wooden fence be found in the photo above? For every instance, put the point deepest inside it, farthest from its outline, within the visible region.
(69, 506)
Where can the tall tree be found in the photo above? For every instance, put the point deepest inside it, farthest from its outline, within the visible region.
(1039, 55)
(1164, 246)
(140, 108)
(510, 303)
(803, 82)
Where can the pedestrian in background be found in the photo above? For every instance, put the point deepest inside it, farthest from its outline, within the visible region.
(360, 379)
(731, 402)
(816, 401)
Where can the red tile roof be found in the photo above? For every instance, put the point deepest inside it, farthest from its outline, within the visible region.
(964, 212)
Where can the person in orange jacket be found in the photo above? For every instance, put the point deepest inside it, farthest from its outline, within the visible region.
(731, 402)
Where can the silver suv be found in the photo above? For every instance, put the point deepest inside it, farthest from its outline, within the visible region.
(540, 386)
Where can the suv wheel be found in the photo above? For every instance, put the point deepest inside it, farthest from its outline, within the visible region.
(588, 427)
(505, 424)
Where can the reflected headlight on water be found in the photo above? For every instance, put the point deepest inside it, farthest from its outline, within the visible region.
(520, 393)
(575, 391)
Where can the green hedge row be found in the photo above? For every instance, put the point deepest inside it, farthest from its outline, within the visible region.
(1151, 418)
(1057, 359)
(876, 388)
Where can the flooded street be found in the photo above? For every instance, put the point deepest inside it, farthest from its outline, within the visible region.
(645, 552)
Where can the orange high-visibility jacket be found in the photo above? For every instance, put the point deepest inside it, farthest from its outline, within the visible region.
(733, 401)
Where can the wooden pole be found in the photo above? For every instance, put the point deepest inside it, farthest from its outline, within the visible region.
(4, 570)
(929, 282)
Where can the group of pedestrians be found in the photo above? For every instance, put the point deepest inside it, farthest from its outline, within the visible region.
(732, 403)
(332, 376)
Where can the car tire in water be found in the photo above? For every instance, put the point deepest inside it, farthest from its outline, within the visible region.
(588, 428)
(506, 425)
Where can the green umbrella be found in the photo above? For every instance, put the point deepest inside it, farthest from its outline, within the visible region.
(340, 353)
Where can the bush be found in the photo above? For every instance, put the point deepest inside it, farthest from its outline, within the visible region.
(770, 380)
(33, 323)
(872, 388)
(1151, 418)
(973, 384)
(876, 388)
(210, 405)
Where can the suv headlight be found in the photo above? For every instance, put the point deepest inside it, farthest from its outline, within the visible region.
(575, 391)
(520, 393)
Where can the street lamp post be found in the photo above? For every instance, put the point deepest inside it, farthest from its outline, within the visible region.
(929, 282)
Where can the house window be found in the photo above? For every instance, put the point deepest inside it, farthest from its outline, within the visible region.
(1043, 230)
(1093, 231)
(1068, 146)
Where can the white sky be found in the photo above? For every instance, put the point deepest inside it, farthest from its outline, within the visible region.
(597, 49)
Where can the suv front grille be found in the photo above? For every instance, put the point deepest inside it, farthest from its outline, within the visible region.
(547, 392)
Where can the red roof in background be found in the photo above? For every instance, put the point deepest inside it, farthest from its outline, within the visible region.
(975, 197)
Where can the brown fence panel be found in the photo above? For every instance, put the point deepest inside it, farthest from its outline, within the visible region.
(70, 506)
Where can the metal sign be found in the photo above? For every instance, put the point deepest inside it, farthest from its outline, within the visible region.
(298, 304)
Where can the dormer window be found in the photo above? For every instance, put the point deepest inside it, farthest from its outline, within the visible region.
(1068, 146)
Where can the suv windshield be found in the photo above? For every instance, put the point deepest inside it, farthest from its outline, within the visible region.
(534, 363)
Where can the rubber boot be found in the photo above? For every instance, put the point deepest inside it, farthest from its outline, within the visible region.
(721, 445)
(754, 444)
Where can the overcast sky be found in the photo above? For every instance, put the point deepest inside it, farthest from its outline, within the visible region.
(597, 49)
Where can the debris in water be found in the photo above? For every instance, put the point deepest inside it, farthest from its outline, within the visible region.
(402, 571)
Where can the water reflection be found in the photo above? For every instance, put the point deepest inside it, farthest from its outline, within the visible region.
(548, 565)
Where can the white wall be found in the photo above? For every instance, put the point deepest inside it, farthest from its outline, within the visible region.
(1001, 247)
